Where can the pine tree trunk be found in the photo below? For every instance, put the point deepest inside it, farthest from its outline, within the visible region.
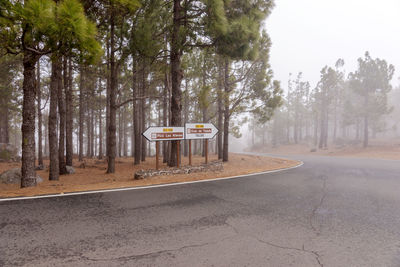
(176, 76)
(165, 115)
(326, 132)
(28, 121)
(133, 131)
(186, 117)
(4, 120)
(100, 135)
(143, 111)
(61, 111)
(81, 112)
(54, 169)
(39, 111)
(366, 121)
(125, 137)
(225, 154)
(46, 134)
(220, 108)
(69, 115)
(108, 91)
(120, 134)
(316, 129)
(92, 128)
(136, 115)
(88, 126)
(111, 146)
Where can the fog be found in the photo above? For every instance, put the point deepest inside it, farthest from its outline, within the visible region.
(318, 113)
(309, 34)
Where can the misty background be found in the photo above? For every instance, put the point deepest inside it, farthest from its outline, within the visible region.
(310, 34)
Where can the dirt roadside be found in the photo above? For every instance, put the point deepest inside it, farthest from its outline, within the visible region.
(377, 150)
(93, 176)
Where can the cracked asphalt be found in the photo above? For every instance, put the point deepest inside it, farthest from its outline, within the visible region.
(329, 212)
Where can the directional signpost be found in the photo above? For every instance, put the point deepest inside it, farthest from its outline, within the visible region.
(157, 134)
(191, 131)
(199, 131)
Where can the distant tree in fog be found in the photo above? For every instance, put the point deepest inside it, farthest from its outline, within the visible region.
(372, 82)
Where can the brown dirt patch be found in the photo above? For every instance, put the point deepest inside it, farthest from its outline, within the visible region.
(94, 176)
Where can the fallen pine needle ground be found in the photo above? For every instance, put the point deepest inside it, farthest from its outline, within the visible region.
(94, 177)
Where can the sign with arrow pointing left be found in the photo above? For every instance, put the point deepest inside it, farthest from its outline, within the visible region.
(164, 133)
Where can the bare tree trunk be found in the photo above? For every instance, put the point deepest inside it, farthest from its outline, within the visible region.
(176, 76)
(39, 111)
(4, 123)
(108, 89)
(69, 150)
(46, 134)
(81, 112)
(92, 128)
(28, 121)
(366, 137)
(220, 108)
(61, 111)
(111, 146)
(225, 154)
(165, 115)
(133, 131)
(88, 126)
(186, 116)
(100, 135)
(54, 170)
(120, 134)
(95, 137)
(125, 137)
(316, 129)
(143, 110)
(136, 117)
(335, 120)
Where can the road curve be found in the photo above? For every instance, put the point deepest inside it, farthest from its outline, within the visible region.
(329, 212)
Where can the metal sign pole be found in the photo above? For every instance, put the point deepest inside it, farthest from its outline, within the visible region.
(206, 149)
(178, 151)
(157, 154)
(190, 152)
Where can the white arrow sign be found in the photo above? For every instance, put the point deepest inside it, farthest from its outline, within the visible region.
(200, 130)
(164, 133)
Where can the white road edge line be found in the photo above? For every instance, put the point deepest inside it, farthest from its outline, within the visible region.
(148, 186)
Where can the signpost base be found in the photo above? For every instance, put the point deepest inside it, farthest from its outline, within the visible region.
(190, 152)
(157, 154)
(178, 152)
(206, 150)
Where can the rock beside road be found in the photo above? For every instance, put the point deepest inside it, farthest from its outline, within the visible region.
(70, 170)
(13, 176)
(213, 166)
(8, 153)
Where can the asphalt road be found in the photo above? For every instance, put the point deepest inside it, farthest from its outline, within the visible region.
(329, 212)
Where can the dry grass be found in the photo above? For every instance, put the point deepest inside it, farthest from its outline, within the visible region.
(94, 176)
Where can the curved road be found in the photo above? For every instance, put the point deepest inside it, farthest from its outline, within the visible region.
(329, 212)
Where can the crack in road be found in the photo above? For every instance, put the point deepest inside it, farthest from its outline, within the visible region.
(314, 253)
(317, 207)
(155, 253)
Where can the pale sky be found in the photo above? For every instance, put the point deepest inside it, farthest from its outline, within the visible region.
(309, 34)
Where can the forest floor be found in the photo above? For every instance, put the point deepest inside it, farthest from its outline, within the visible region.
(94, 177)
(379, 149)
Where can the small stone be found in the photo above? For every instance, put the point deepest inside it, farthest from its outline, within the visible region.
(39, 168)
(70, 169)
(13, 176)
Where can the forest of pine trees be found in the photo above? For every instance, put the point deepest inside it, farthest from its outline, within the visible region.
(342, 109)
(84, 79)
